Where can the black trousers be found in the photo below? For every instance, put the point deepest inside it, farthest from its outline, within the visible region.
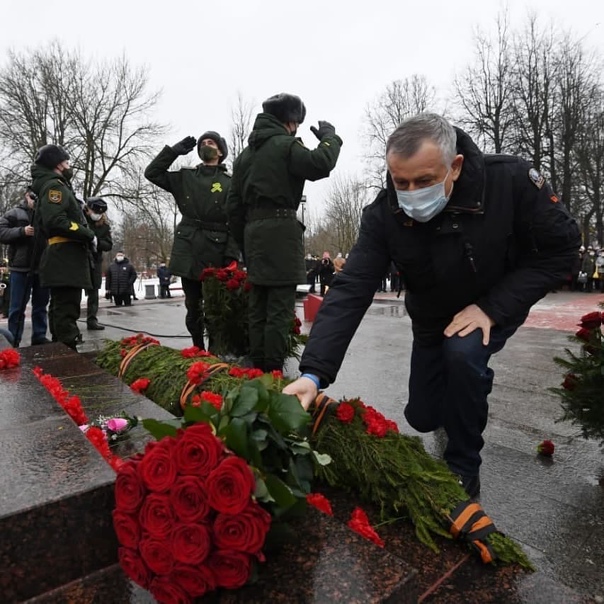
(194, 305)
(63, 314)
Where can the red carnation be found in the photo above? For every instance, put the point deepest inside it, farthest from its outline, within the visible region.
(157, 469)
(196, 372)
(231, 569)
(140, 385)
(359, 522)
(591, 320)
(230, 486)
(320, 502)
(345, 413)
(9, 358)
(134, 567)
(156, 515)
(196, 581)
(213, 398)
(191, 543)
(188, 499)
(244, 532)
(198, 451)
(127, 529)
(546, 448)
(129, 489)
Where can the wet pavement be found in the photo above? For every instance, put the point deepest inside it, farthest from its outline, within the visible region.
(553, 507)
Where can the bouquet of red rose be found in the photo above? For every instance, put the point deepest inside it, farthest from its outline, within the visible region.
(193, 513)
(583, 385)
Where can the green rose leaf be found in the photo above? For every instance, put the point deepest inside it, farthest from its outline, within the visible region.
(286, 413)
(204, 413)
(261, 493)
(236, 437)
(280, 492)
(245, 402)
(159, 429)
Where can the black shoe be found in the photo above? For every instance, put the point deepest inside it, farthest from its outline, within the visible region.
(40, 341)
(78, 340)
(95, 326)
(471, 485)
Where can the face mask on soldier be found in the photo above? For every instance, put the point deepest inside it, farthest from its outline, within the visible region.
(67, 174)
(207, 153)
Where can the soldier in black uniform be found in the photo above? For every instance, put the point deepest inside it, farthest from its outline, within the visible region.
(96, 217)
(65, 265)
(478, 239)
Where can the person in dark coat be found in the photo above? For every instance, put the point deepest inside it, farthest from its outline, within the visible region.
(202, 237)
(96, 216)
(479, 240)
(120, 279)
(25, 246)
(268, 181)
(326, 272)
(164, 276)
(312, 270)
(66, 261)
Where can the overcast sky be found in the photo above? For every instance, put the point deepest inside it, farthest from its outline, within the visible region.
(337, 55)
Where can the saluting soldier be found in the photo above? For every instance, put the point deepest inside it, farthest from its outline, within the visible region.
(202, 237)
(65, 265)
(268, 180)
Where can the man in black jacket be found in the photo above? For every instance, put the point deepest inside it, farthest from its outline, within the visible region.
(25, 248)
(479, 240)
(119, 280)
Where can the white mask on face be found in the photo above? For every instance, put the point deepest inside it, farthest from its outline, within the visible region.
(95, 217)
(119, 258)
(424, 204)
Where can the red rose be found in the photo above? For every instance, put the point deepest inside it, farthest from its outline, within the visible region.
(230, 486)
(320, 502)
(129, 489)
(591, 320)
(244, 532)
(230, 569)
(133, 566)
(157, 469)
(165, 591)
(157, 555)
(196, 581)
(222, 275)
(345, 413)
(570, 381)
(156, 515)
(546, 448)
(188, 499)
(127, 529)
(584, 334)
(198, 451)
(191, 543)
(232, 284)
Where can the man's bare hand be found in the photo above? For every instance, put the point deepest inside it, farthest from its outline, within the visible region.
(305, 389)
(29, 230)
(468, 320)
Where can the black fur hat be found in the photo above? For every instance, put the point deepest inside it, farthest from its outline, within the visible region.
(285, 107)
(50, 156)
(222, 146)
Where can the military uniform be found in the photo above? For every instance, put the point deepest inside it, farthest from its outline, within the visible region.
(65, 263)
(202, 237)
(268, 180)
(104, 243)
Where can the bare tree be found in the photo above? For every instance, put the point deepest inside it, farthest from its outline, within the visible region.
(98, 111)
(484, 90)
(400, 99)
(241, 115)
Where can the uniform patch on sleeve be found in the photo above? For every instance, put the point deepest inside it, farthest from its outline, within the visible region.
(74, 226)
(55, 196)
(536, 178)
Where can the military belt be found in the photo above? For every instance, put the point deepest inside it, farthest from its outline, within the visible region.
(263, 213)
(59, 239)
(208, 226)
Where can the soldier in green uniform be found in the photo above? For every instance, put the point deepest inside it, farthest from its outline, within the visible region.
(202, 237)
(268, 180)
(65, 263)
(96, 217)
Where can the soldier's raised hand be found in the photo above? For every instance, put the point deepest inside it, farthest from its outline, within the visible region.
(324, 129)
(186, 145)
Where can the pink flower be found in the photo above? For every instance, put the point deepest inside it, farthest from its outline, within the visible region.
(117, 424)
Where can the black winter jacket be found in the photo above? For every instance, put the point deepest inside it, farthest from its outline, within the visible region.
(21, 246)
(120, 278)
(503, 241)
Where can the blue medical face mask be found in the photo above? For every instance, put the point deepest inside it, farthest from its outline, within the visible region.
(424, 204)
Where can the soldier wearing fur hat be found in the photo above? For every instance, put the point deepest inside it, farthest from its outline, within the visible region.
(96, 217)
(268, 181)
(202, 237)
(65, 263)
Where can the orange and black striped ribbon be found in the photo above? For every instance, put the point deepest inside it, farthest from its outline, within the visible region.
(469, 521)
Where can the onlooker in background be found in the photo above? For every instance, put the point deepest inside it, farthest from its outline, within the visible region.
(24, 251)
(395, 278)
(164, 276)
(4, 289)
(600, 269)
(202, 237)
(120, 279)
(96, 216)
(65, 263)
(575, 281)
(588, 266)
(338, 263)
(268, 181)
(325, 272)
(312, 270)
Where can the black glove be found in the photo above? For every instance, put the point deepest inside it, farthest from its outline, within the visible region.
(186, 145)
(325, 129)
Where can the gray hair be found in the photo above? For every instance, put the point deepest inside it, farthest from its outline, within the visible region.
(409, 136)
